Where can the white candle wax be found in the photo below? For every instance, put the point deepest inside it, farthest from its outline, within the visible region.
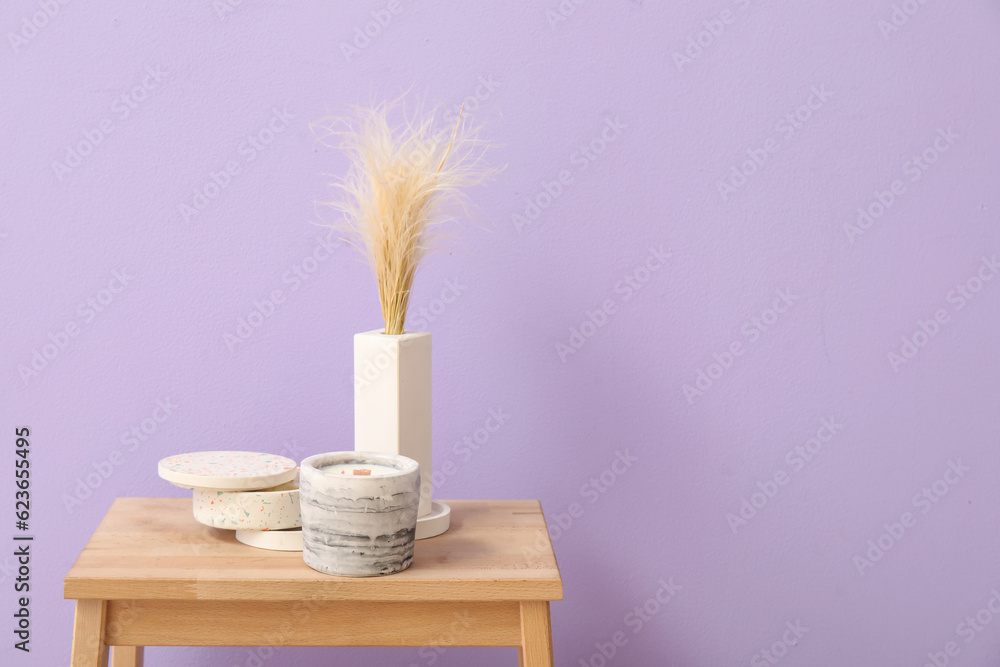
(357, 470)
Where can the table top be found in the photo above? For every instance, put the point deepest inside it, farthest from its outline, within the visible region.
(152, 548)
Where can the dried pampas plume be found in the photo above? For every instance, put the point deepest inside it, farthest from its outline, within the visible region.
(404, 183)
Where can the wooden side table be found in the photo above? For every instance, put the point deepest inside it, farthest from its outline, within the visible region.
(152, 576)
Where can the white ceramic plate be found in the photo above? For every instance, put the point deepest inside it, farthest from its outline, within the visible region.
(227, 471)
(435, 523)
(275, 540)
(269, 509)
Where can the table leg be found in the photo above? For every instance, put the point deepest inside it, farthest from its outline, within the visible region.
(126, 656)
(536, 635)
(520, 657)
(89, 649)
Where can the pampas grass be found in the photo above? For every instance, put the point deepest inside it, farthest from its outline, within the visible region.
(404, 184)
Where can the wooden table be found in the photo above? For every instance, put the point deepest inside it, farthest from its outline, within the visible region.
(152, 576)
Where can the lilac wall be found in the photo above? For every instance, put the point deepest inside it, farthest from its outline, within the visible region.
(781, 379)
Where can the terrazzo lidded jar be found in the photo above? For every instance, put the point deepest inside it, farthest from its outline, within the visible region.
(359, 512)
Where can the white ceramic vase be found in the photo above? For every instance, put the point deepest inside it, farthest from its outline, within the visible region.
(392, 399)
(359, 525)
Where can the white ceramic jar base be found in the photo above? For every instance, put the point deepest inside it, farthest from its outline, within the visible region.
(435, 523)
(273, 540)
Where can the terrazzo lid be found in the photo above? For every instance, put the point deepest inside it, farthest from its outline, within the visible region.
(227, 470)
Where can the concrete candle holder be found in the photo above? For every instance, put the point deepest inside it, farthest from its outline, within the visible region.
(359, 512)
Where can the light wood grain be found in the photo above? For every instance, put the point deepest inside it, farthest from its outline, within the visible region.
(89, 649)
(314, 623)
(152, 548)
(536, 635)
(152, 576)
(126, 656)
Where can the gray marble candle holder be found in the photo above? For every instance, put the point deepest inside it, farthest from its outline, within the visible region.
(357, 525)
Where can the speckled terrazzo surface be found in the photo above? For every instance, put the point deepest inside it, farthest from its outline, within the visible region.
(227, 470)
(269, 509)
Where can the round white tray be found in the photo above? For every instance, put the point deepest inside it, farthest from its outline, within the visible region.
(274, 540)
(227, 471)
(269, 509)
(434, 523)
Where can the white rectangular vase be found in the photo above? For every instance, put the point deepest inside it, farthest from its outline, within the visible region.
(392, 399)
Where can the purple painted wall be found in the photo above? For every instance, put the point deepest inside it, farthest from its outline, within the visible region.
(766, 286)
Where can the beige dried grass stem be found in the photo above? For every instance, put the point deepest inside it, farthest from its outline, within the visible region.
(403, 184)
